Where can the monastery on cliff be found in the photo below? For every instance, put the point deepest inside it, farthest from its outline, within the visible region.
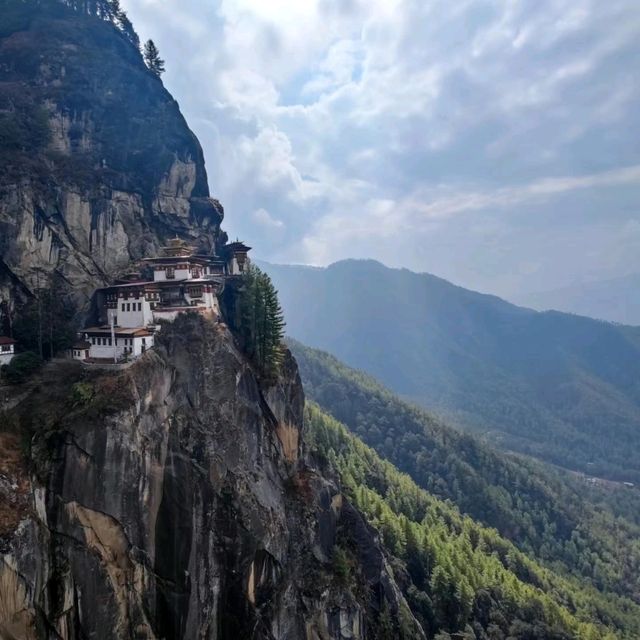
(130, 311)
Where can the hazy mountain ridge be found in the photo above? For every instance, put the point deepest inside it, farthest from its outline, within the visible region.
(615, 300)
(561, 387)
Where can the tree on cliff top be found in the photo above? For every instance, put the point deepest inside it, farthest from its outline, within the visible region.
(152, 58)
(107, 10)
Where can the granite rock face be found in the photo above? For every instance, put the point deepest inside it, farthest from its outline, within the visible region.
(175, 500)
(172, 499)
(97, 165)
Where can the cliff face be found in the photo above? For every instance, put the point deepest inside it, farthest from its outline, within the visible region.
(173, 500)
(97, 165)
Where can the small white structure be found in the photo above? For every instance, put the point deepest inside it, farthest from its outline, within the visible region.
(80, 350)
(236, 257)
(117, 343)
(7, 349)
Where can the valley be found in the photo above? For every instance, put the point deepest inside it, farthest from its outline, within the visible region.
(554, 386)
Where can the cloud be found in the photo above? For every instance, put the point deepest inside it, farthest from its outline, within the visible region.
(513, 196)
(379, 128)
(264, 218)
(399, 227)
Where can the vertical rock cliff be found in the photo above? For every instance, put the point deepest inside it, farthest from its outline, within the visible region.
(97, 164)
(173, 500)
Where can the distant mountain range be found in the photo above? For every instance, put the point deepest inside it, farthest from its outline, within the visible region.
(617, 300)
(557, 386)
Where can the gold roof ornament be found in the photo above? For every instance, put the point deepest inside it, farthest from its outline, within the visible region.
(176, 247)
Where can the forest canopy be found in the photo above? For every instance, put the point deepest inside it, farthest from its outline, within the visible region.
(465, 577)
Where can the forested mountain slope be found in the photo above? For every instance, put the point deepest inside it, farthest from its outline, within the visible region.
(541, 511)
(560, 387)
(459, 575)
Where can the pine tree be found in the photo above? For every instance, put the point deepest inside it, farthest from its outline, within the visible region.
(416, 564)
(45, 324)
(385, 624)
(122, 20)
(112, 9)
(261, 322)
(274, 329)
(152, 58)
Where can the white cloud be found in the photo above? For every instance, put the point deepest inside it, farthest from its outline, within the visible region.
(513, 196)
(384, 223)
(363, 125)
(264, 218)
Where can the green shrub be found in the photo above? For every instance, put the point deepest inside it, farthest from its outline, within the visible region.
(341, 565)
(81, 394)
(21, 367)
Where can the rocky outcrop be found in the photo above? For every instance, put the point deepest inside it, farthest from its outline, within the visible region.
(175, 500)
(97, 165)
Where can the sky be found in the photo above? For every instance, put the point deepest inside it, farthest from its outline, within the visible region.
(495, 143)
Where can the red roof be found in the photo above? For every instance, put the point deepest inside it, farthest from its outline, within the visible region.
(7, 340)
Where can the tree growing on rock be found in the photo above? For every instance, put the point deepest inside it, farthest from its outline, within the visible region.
(127, 28)
(261, 321)
(152, 58)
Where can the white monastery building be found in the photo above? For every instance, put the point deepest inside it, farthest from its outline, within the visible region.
(131, 310)
(80, 350)
(7, 349)
(118, 344)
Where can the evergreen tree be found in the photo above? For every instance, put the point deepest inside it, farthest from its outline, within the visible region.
(106, 9)
(152, 58)
(45, 324)
(416, 564)
(110, 11)
(127, 28)
(385, 624)
(261, 321)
